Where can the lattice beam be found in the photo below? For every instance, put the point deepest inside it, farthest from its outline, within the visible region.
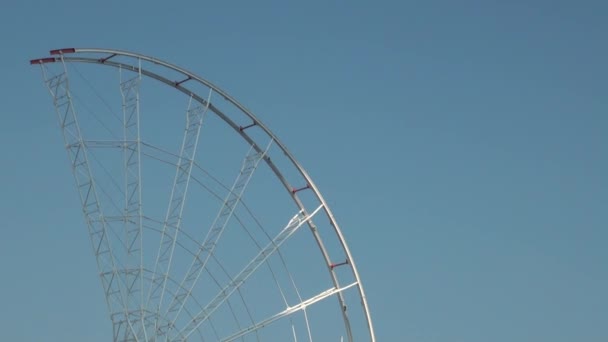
(293, 225)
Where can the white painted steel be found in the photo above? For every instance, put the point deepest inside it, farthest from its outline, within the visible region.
(115, 291)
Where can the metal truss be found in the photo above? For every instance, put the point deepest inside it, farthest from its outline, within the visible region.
(132, 322)
(206, 249)
(97, 223)
(194, 121)
(288, 311)
(298, 220)
(132, 216)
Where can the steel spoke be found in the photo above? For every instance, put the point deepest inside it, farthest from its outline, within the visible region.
(132, 214)
(296, 222)
(287, 312)
(226, 211)
(171, 226)
(58, 86)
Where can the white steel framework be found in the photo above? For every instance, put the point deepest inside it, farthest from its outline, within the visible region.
(151, 294)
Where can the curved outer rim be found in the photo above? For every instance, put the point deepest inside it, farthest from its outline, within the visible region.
(257, 122)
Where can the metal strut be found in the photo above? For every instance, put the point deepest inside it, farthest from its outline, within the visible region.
(171, 226)
(249, 165)
(97, 224)
(288, 311)
(296, 222)
(132, 215)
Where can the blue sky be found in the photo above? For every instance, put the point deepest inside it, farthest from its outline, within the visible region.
(461, 145)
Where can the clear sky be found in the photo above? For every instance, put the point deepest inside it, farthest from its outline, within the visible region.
(461, 144)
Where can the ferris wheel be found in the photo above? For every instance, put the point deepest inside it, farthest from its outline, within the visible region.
(203, 225)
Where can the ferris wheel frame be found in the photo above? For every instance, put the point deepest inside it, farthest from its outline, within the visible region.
(85, 55)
